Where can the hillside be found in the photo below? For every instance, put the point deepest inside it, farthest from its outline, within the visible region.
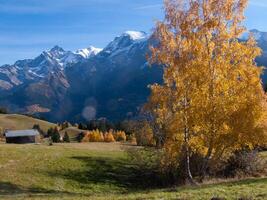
(73, 132)
(20, 122)
(97, 171)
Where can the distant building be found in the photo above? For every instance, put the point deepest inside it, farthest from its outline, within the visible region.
(22, 136)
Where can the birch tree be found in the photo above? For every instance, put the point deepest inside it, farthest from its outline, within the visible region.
(211, 101)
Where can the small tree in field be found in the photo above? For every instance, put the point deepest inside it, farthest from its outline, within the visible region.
(66, 137)
(55, 135)
(50, 132)
(80, 137)
(108, 137)
(211, 101)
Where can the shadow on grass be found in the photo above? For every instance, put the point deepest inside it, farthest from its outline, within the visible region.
(122, 174)
(110, 172)
(9, 189)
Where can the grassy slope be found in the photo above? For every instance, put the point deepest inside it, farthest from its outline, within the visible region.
(19, 122)
(94, 171)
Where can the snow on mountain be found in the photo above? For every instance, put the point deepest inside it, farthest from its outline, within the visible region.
(88, 52)
(136, 35)
(62, 57)
(114, 80)
(125, 41)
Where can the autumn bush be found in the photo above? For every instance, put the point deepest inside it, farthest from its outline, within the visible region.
(92, 136)
(119, 136)
(84, 137)
(96, 136)
(108, 137)
(144, 135)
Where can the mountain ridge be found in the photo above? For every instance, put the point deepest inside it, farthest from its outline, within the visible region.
(88, 83)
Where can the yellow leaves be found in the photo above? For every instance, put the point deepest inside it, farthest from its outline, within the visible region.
(211, 98)
(197, 145)
(108, 137)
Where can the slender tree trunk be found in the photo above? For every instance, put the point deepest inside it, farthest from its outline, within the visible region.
(188, 170)
(186, 140)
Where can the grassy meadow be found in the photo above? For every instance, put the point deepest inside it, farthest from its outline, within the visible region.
(98, 171)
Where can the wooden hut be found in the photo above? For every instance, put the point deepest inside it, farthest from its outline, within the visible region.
(22, 136)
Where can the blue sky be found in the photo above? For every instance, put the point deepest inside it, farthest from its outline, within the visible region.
(27, 27)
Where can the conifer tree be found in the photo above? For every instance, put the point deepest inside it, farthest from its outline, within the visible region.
(55, 135)
(66, 138)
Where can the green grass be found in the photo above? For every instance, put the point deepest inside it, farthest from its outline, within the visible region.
(20, 122)
(96, 171)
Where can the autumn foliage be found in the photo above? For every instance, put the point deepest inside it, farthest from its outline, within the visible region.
(211, 102)
(144, 134)
(119, 136)
(98, 136)
(109, 137)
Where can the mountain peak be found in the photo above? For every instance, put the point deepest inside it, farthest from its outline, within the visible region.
(135, 35)
(88, 52)
(57, 48)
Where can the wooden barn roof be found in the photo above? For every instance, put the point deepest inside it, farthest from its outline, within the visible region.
(21, 133)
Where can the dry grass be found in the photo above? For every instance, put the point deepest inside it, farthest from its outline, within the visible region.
(20, 122)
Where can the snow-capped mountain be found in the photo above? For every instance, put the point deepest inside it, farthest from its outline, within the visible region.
(65, 82)
(124, 41)
(111, 82)
(48, 62)
(136, 35)
(88, 52)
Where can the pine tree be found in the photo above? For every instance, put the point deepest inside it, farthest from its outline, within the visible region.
(80, 136)
(50, 132)
(211, 101)
(55, 135)
(66, 138)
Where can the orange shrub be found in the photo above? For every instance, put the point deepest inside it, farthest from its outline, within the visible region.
(120, 136)
(86, 137)
(96, 136)
(109, 137)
